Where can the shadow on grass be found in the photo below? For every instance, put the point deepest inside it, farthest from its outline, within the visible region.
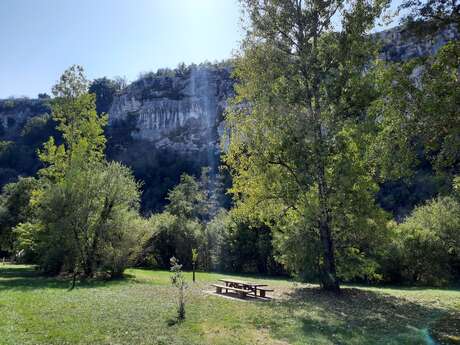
(174, 321)
(27, 278)
(354, 317)
(406, 287)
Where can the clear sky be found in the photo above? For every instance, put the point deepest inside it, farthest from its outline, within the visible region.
(41, 38)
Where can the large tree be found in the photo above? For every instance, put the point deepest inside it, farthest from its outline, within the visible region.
(86, 209)
(74, 111)
(299, 131)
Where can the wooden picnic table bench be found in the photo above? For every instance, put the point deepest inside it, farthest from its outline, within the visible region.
(233, 282)
(242, 292)
(263, 291)
(242, 287)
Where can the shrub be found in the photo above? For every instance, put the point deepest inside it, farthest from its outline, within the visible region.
(429, 241)
(170, 235)
(14, 209)
(88, 221)
(123, 245)
(238, 246)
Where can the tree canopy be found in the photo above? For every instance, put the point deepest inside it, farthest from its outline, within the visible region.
(298, 149)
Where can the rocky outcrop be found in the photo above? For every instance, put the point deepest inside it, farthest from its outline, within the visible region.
(181, 111)
(166, 123)
(184, 111)
(14, 113)
(401, 44)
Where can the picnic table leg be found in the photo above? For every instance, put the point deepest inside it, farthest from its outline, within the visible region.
(262, 293)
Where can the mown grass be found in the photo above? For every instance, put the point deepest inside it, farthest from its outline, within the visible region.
(140, 309)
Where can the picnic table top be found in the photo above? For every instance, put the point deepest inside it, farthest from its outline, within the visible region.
(241, 282)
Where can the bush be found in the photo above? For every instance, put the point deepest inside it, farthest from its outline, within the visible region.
(429, 242)
(238, 246)
(87, 222)
(14, 209)
(123, 245)
(182, 226)
(170, 236)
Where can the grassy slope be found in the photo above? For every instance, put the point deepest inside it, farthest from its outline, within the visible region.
(141, 310)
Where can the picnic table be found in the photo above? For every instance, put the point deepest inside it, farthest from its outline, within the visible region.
(242, 288)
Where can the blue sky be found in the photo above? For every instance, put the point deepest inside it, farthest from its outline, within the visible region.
(41, 38)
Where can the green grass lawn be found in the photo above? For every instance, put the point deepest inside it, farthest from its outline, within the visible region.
(140, 310)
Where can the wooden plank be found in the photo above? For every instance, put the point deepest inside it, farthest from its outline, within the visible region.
(242, 291)
(265, 289)
(231, 288)
(242, 282)
(222, 286)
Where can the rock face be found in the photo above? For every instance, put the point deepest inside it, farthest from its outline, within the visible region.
(182, 112)
(169, 122)
(400, 44)
(14, 113)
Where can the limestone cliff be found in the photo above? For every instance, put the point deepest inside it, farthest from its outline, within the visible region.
(183, 111)
(165, 123)
(14, 113)
(400, 44)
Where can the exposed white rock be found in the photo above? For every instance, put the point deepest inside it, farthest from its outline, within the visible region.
(184, 112)
(189, 106)
(399, 44)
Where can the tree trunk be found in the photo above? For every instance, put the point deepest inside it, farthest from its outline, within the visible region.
(328, 274)
(74, 279)
(88, 268)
